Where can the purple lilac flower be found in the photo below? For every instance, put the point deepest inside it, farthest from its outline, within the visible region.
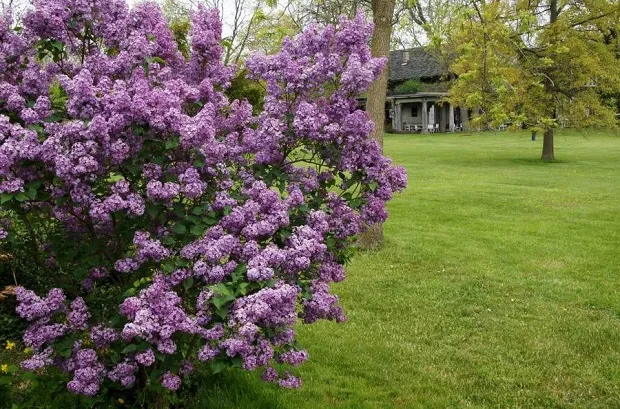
(170, 381)
(88, 375)
(289, 381)
(78, 314)
(32, 307)
(207, 352)
(103, 337)
(124, 373)
(98, 168)
(146, 358)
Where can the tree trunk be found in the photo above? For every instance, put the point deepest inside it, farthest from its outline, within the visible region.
(534, 134)
(382, 11)
(547, 153)
(465, 119)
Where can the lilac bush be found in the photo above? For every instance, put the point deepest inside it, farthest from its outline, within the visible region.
(181, 228)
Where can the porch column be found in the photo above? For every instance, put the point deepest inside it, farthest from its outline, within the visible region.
(465, 118)
(442, 117)
(424, 117)
(451, 117)
(398, 115)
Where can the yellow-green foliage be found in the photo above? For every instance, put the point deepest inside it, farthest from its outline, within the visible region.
(514, 66)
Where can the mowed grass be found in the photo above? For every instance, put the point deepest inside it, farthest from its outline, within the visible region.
(498, 286)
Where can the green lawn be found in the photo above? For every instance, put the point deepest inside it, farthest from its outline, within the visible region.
(498, 286)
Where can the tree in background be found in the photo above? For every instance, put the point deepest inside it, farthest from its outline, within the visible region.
(304, 12)
(269, 30)
(424, 22)
(538, 64)
(243, 20)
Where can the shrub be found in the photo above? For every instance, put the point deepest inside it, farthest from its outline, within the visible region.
(410, 86)
(180, 228)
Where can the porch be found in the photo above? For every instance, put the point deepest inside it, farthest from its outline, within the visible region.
(426, 113)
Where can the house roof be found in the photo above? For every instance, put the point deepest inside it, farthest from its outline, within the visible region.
(414, 63)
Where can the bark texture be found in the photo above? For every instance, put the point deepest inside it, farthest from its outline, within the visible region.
(382, 11)
(548, 153)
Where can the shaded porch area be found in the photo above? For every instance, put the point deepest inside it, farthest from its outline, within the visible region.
(424, 113)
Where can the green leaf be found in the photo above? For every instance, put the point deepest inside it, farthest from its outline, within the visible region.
(239, 272)
(180, 229)
(58, 45)
(169, 240)
(5, 197)
(168, 267)
(21, 197)
(220, 301)
(222, 289)
(129, 348)
(243, 288)
(237, 362)
(147, 68)
(134, 169)
(34, 185)
(188, 283)
(129, 293)
(172, 144)
(199, 163)
(114, 357)
(197, 230)
(152, 211)
(158, 60)
(210, 221)
(54, 118)
(218, 365)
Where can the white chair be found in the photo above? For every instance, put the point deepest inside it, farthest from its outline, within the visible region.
(407, 127)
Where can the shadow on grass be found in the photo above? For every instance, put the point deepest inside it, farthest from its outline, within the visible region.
(478, 162)
(229, 389)
(536, 161)
(386, 243)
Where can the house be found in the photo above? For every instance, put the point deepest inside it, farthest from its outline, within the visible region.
(417, 84)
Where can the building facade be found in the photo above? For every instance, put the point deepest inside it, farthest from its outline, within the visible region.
(418, 84)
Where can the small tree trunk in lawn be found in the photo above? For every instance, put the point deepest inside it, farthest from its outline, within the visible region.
(375, 103)
(534, 134)
(547, 153)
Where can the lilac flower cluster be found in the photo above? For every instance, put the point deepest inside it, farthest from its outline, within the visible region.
(88, 374)
(156, 315)
(217, 228)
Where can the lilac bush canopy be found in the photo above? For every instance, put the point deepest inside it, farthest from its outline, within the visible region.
(217, 229)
